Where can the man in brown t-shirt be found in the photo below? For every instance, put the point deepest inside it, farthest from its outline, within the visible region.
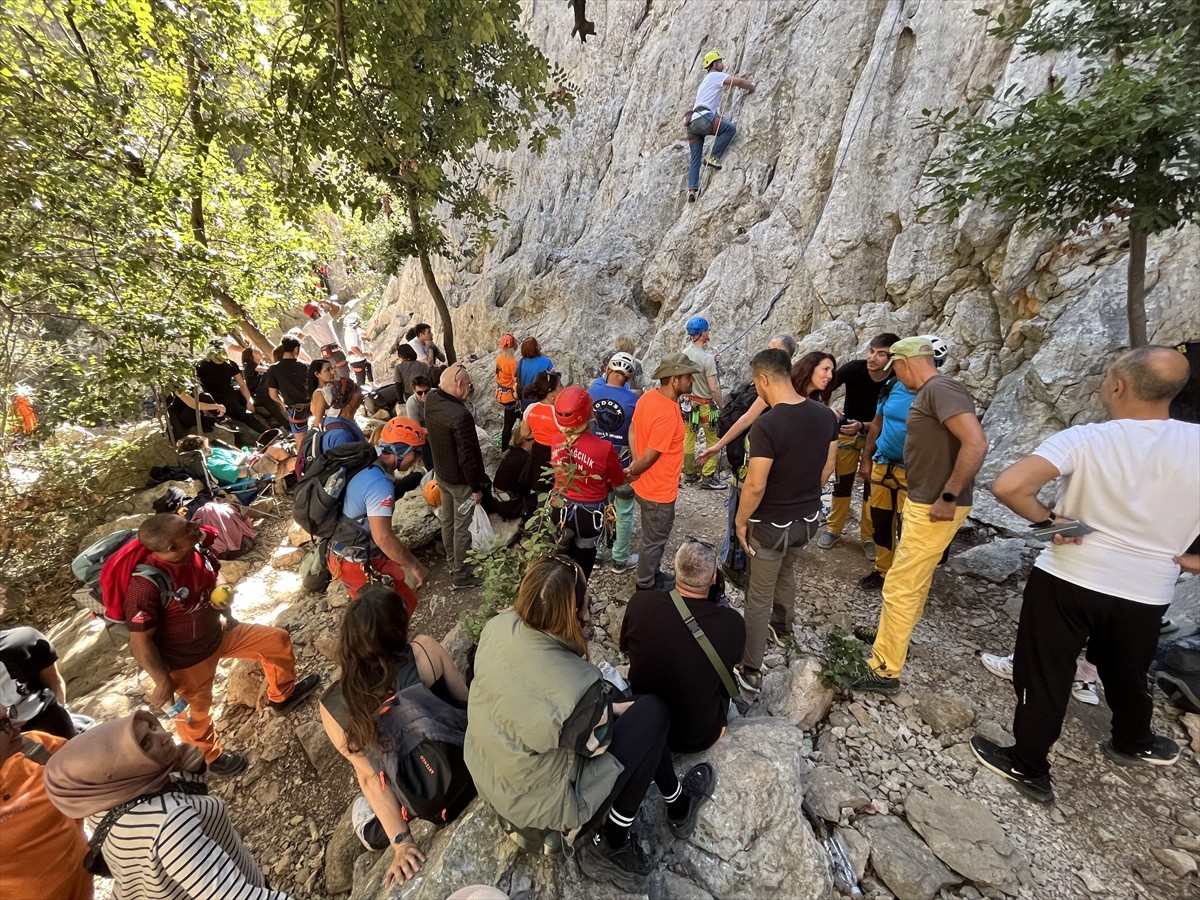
(944, 449)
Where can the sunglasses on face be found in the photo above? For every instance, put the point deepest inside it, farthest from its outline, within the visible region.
(421, 393)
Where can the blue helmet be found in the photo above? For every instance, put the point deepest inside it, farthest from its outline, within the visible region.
(696, 326)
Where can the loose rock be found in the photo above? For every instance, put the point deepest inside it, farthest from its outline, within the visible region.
(906, 865)
(796, 693)
(946, 711)
(1180, 863)
(994, 561)
(829, 791)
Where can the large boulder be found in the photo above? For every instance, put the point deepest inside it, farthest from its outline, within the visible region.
(752, 840)
(796, 693)
(414, 521)
(89, 654)
(966, 837)
(903, 862)
(994, 561)
(121, 523)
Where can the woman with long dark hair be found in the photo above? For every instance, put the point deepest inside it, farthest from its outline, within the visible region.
(531, 364)
(561, 763)
(331, 394)
(812, 376)
(377, 659)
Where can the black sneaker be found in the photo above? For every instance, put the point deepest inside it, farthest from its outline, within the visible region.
(698, 786)
(866, 633)
(875, 683)
(872, 582)
(227, 765)
(625, 867)
(998, 759)
(466, 582)
(1162, 752)
(303, 688)
(750, 679)
(689, 479)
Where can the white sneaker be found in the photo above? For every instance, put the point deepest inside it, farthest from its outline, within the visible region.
(1085, 692)
(1000, 666)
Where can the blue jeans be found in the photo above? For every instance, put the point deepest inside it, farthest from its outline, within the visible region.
(701, 127)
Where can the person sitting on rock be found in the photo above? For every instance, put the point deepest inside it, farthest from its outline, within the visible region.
(179, 643)
(414, 408)
(705, 121)
(30, 687)
(666, 660)
(558, 760)
(514, 499)
(377, 659)
(42, 849)
(166, 836)
(369, 501)
(331, 394)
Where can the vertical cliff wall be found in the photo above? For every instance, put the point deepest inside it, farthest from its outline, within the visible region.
(811, 227)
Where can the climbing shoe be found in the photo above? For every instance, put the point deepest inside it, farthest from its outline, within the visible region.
(712, 162)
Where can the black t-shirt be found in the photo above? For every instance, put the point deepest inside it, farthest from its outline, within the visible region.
(290, 378)
(216, 377)
(797, 437)
(862, 391)
(25, 652)
(664, 659)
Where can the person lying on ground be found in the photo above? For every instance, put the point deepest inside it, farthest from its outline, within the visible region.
(559, 761)
(377, 658)
(230, 466)
(166, 837)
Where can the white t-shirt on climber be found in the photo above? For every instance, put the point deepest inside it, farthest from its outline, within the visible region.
(1137, 483)
(321, 330)
(709, 93)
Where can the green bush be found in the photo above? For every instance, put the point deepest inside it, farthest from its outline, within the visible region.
(845, 660)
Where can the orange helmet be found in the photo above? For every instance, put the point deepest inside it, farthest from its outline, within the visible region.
(402, 431)
(572, 407)
(433, 493)
(507, 342)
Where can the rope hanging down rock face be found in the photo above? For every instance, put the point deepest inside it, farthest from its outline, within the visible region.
(762, 317)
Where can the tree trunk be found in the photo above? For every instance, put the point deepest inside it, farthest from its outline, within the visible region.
(1135, 298)
(439, 300)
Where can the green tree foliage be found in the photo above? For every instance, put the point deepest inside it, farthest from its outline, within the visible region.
(1124, 138)
(138, 214)
(394, 106)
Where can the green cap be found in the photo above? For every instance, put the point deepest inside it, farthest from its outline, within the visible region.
(908, 348)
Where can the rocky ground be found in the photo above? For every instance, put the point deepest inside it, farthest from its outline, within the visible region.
(892, 777)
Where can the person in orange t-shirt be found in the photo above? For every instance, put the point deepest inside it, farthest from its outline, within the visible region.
(656, 435)
(41, 850)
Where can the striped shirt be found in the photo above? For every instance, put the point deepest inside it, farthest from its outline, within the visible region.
(181, 847)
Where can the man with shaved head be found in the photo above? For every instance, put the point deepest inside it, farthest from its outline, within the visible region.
(1134, 481)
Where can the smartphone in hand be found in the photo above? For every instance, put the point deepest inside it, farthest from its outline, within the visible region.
(1075, 528)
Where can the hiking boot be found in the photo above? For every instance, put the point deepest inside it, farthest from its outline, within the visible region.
(872, 582)
(1085, 692)
(869, 550)
(367, 826)
(874, 683)
(712, 162)
(227, 765)
(465, 581)
(628, 566)
(1000, 666)
(1162, 752)
(303, 688)
(866, 633)
(698, 786)
(750, 679)
(689, 479)
(713, 483)
(625, 867)
(827, 539)
(998, 759)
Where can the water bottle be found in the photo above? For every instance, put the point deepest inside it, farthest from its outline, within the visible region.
(466, 506)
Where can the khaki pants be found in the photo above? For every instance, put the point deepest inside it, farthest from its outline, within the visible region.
(889, 491)
(771, 596)
(272, 647)
(907, 585)
(845, 469)
(456, 526)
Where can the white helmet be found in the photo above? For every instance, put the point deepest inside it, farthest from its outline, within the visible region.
(623, 363)
(940, 348)
(353, 319)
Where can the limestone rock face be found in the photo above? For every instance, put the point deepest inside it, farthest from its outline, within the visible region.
(811, 226)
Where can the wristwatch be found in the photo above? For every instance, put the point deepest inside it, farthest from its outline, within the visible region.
(402, 837)
(949, 497)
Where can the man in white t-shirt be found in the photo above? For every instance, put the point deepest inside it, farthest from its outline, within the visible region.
(321, 331)
(1135, 481)
(356, 353)
(705, 121)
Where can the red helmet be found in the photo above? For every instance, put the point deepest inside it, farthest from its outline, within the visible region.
(312, 310)
(507, 342)
(401, 430)
(572, 407)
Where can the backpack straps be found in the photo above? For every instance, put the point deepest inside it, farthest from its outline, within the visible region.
(159, 579)
(34, 751)
(705, 644)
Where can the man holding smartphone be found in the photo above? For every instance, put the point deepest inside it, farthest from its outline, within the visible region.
(1135, 482)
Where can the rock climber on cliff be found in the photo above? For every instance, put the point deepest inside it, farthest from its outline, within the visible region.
(702, 120)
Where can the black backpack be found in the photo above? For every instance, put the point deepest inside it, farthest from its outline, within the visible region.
(310, 447)
(319, 495)
(738, 405)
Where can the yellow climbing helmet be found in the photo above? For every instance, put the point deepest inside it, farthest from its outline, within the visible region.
(711, 57)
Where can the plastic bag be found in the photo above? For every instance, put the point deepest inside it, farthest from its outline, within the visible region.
(483, 537)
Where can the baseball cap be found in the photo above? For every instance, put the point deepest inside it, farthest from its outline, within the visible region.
(909, 348)
(675, 364)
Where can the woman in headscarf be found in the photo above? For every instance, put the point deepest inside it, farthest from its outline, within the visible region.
(155, 827)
